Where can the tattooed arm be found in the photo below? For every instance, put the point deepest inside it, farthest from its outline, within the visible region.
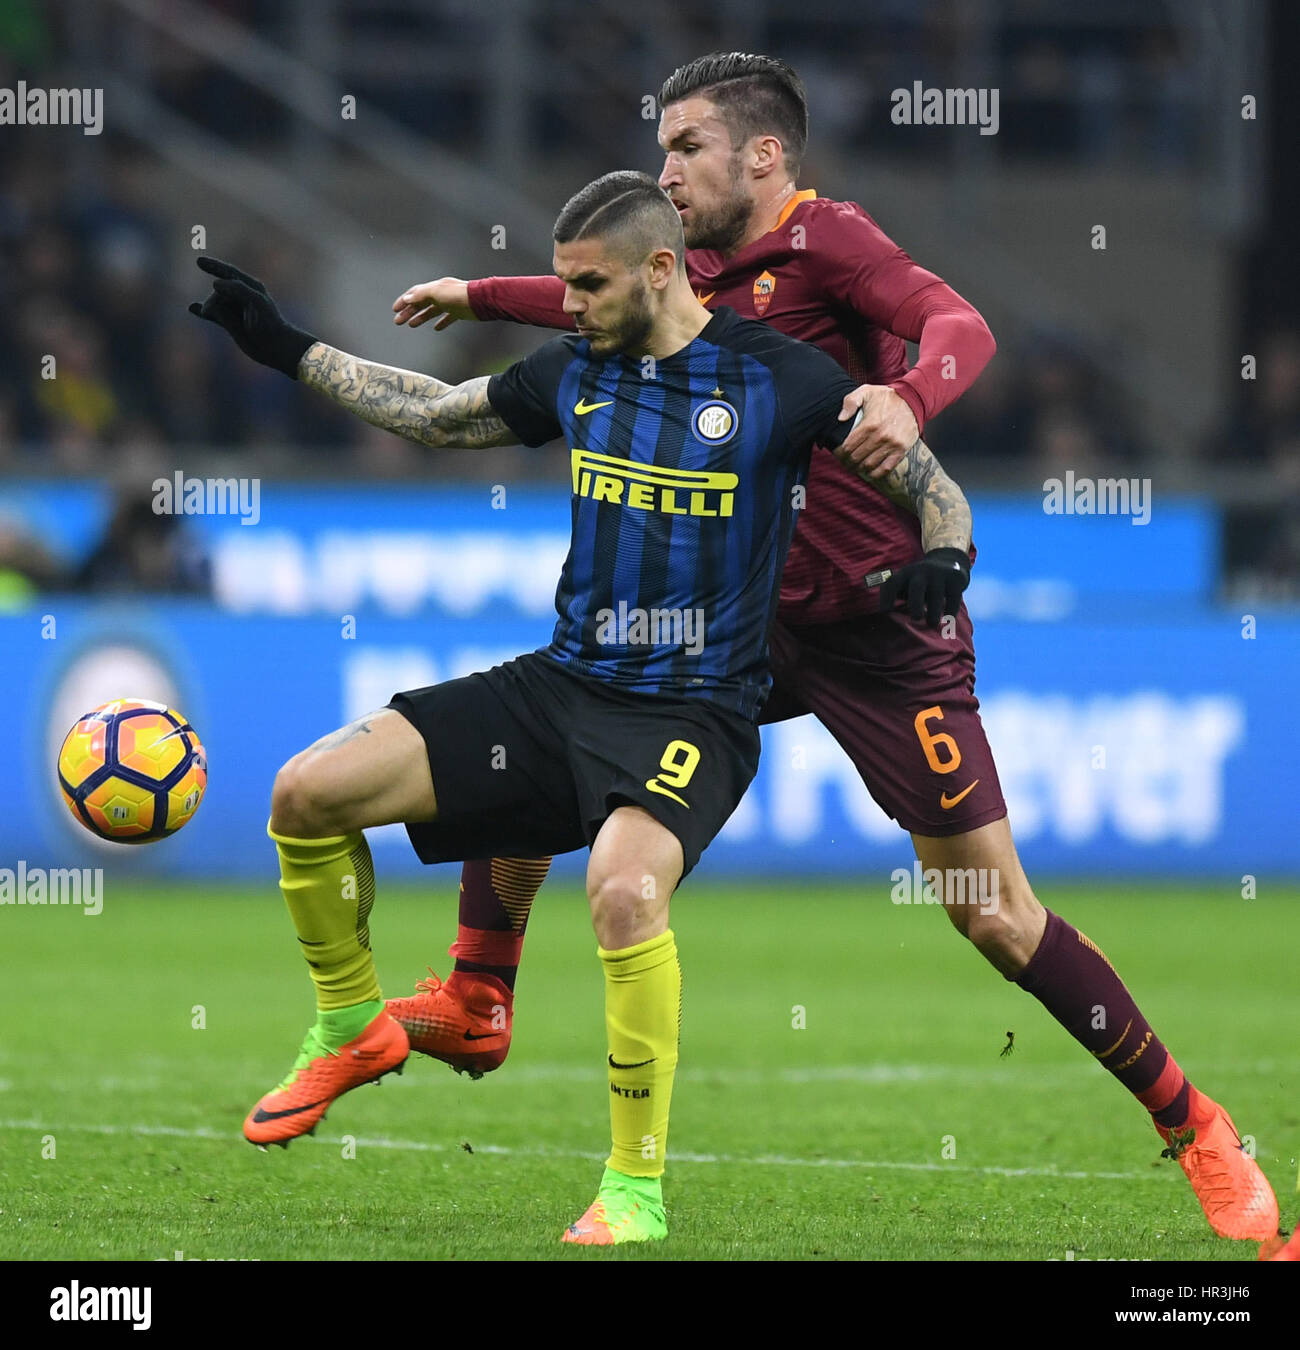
(418, 407)
(919, 482)
(415, 406)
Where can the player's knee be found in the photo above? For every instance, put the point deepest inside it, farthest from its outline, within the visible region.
(1005, 929)
(624, 908)
(989, 933)
(301, 805)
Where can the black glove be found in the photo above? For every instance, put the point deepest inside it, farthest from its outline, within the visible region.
(932, 586)
(240, 304)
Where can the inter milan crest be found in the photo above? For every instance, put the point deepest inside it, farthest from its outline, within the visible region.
(764, 285)
(715, 422)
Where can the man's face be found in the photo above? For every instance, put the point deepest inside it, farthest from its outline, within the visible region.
(609, 301)
(703, 175)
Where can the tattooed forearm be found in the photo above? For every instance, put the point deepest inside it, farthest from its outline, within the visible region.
(417, 407)
(918, 481)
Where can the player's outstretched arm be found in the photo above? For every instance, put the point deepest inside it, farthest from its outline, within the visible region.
(418, 407)
(446, 300)
(532, 300)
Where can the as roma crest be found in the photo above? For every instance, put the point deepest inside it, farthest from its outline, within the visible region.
(764, 285)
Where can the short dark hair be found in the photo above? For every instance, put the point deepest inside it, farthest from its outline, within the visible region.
(754, 95)
(628, 205)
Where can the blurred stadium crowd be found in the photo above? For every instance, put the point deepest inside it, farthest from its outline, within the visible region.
(90, 262)
(88, 280)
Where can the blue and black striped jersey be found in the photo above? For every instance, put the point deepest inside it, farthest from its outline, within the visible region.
(686, 476)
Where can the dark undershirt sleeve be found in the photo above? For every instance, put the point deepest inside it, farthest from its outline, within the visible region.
(525, 396)
(812, 387)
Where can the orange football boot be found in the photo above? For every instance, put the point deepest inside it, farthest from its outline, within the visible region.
(465, 1021)
(1234, 1193)
(319, 1076)
(1280, 1248)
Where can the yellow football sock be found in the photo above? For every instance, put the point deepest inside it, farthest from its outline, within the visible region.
(643, 1017)
(329, 886)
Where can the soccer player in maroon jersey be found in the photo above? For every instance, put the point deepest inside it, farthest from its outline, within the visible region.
(897, 694)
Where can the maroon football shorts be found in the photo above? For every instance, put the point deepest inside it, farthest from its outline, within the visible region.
(900, 698)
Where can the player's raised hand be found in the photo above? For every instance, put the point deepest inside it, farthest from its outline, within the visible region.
(886, 433)
(225, 271)
(446, 300)
(241, 305)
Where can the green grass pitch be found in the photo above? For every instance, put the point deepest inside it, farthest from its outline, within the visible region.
(878, 1122)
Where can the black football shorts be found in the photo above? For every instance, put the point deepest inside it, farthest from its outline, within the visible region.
(529, 759)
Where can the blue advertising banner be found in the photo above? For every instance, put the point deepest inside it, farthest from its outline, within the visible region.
(1123, 745)
(459, 551)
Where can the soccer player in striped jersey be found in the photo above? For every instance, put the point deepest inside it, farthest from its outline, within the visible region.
(897, 695)
(633, 732)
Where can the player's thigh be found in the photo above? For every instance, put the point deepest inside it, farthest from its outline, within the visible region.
(898, 697)
(495, 743)
(685, 762)
(372, 772)
(635, 865)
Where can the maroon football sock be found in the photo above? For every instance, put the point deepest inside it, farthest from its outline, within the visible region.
(495, 899)
(1071, 977)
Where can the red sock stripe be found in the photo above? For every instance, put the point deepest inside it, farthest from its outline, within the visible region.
(485, 948)
(1166, 1087)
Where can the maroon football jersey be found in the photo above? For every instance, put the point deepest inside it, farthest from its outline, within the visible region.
(826, 273)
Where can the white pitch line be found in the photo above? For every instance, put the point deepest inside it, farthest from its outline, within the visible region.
(878, 1075)
(506, 1151)
(1038, 1077)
